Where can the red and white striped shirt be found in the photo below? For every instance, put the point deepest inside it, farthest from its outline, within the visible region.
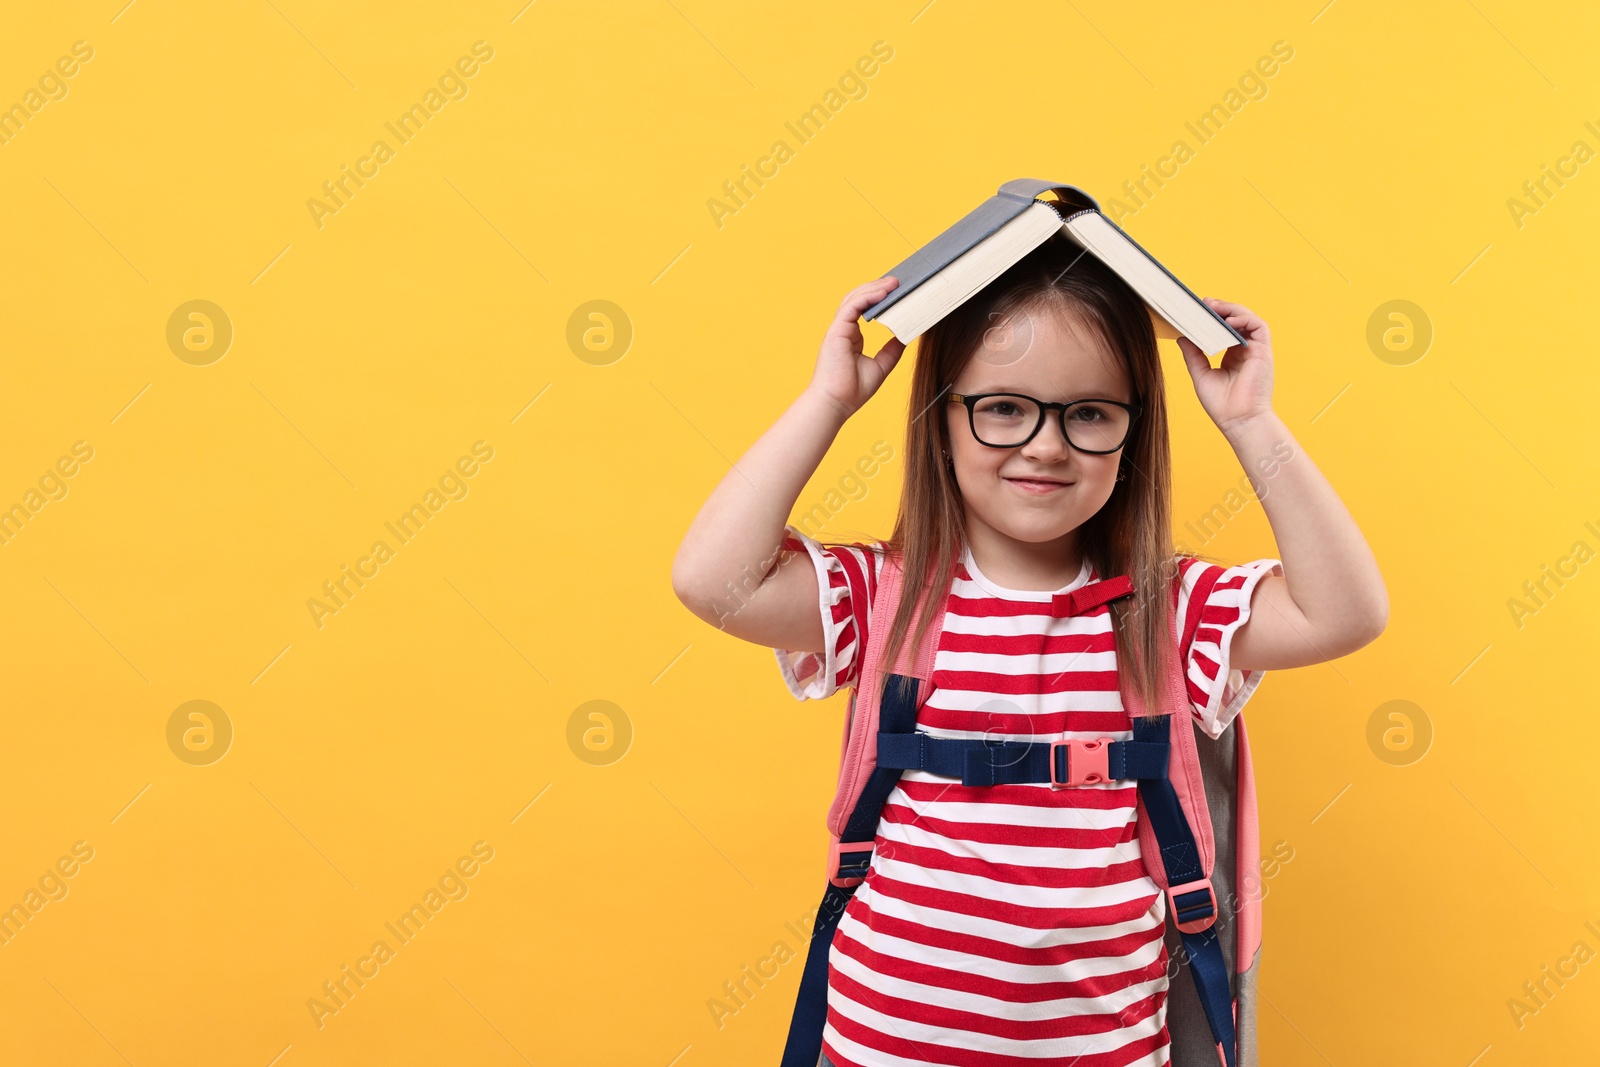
(1009, 925)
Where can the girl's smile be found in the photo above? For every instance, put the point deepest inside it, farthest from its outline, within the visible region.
(1038, 486)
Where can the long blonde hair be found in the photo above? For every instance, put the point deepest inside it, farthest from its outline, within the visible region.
(1131, 534)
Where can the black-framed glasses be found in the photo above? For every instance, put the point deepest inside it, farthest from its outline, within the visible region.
(1011, 420)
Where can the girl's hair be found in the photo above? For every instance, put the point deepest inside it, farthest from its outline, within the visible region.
(1130, 535)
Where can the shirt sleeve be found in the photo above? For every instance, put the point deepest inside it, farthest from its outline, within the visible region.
(1217, 691)
(847, 579)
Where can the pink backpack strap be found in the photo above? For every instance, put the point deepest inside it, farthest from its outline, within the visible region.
(1184, 763)
(1247, 846)
(859, 746)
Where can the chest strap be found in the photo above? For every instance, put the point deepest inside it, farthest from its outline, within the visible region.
(978, 761)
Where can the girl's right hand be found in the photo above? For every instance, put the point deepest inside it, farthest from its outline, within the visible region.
(845, 374)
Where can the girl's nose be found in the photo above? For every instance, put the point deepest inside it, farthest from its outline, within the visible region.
(1048, 442)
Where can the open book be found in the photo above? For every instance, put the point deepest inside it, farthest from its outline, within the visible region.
(943, 274)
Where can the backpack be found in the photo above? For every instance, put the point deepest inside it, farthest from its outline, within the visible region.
(1176, 767)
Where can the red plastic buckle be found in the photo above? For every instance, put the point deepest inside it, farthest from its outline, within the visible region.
(1194, 926)
(1088, 762)
(834, 851)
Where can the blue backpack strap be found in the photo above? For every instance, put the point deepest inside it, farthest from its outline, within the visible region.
(896, 715)
(804, 1047)
(1199, 905)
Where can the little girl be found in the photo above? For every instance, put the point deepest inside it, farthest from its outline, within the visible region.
(1014, 925)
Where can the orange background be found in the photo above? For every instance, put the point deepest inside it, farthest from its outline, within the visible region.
(641, 860)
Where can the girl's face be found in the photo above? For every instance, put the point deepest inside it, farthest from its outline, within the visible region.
(1041, 492)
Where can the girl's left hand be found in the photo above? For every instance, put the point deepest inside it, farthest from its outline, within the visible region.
(1240, 388)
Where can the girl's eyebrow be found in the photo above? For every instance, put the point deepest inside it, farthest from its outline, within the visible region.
(1099, 394)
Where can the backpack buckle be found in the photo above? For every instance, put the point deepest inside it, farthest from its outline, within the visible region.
(1087, 762)
(1191, 911)
(859, 855)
